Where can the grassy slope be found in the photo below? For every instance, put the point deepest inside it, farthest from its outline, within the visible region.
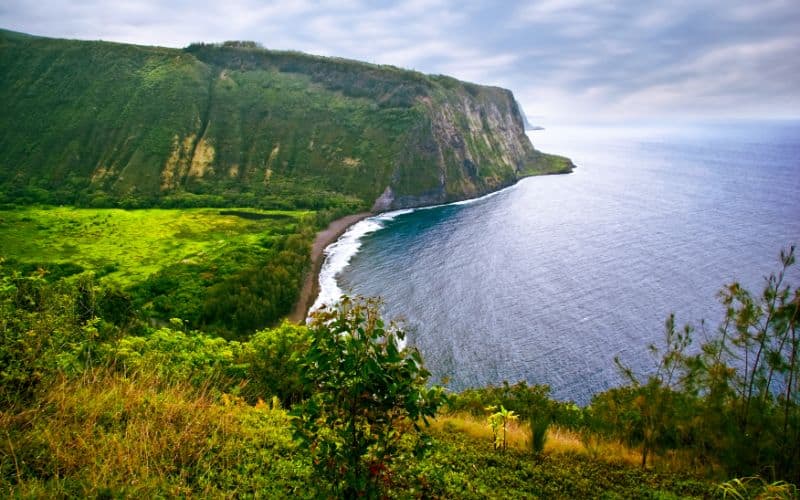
(143, 436)
(106, 124)
(74, 109)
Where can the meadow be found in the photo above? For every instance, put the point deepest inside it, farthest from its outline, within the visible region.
(169, 263)
(124, 247)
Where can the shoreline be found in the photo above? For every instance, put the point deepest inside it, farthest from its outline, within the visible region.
(324, 238)
(329, 236)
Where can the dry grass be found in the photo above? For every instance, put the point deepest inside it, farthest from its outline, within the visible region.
(106, 427)
(559, 441)
(138, 434)
(517, 434)
(564, 441)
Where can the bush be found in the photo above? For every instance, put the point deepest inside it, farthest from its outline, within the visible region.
(274, 358)
(539, 425)
(366, 391)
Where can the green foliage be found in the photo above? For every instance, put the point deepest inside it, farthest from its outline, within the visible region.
(747, 379)
(274, 359)
(736, 403)
(538, 423)
(180, 356)
(527, 401)
(44, 333)
(259, 293)
(365, 392)
(230, 273)
(756, 487)
(460, 466)
(656, 403)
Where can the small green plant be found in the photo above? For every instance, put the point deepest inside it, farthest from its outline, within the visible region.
(756, 487)
(499, 421)
(366, 392)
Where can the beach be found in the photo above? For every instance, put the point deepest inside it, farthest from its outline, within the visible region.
(311, 282)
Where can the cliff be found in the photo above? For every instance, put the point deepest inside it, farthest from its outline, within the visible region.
(107, 124)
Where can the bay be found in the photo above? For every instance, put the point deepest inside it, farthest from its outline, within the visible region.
(549, 280)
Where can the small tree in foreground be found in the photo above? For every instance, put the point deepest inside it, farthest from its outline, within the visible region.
(499, 420)
(539, 423)
(366, 391)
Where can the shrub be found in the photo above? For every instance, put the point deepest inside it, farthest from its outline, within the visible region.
(539, 425)
(274, 358)
(366, 393)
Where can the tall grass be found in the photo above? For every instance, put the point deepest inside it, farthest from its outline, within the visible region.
(142, 435)
(559, 441)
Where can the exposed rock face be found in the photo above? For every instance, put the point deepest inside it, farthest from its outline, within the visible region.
(385, 201)
(97, 123)
(476, 142)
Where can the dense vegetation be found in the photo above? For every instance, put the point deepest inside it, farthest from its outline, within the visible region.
(91, 411)
(142, 352)
(88, 408)
(736, 403)
(98, 124)
(229, 272)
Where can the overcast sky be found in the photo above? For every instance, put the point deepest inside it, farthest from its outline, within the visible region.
(565, 60)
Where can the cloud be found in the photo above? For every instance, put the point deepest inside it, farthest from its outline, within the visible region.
(564, 59)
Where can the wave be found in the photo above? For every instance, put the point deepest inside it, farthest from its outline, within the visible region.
(339, 253)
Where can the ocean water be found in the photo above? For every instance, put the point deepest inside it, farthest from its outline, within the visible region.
(549, 280)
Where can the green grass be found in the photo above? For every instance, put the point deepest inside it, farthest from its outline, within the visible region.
(543, 163)
(134, 243)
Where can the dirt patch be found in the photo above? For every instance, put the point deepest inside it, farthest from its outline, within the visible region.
(177, 164)
(203, 158)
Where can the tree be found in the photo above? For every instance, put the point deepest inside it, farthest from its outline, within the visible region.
(737, 401)
(366, 391)
(747, 377)
(274, 358)
(657, 402)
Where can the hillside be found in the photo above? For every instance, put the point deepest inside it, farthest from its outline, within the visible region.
(105, 124)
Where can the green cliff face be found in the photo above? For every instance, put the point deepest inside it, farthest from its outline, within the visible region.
(106, 124)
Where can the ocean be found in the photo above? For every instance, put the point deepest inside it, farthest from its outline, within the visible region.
(549, 280)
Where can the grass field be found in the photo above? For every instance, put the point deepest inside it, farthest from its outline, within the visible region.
(126, 246)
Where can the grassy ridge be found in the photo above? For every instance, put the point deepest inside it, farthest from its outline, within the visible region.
(100, 124)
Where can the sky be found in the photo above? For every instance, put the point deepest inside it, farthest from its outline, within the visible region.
(567, 61)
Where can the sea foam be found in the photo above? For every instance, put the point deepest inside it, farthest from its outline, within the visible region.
(338, 254)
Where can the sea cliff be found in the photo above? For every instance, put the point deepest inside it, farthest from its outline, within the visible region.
(233, 124)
